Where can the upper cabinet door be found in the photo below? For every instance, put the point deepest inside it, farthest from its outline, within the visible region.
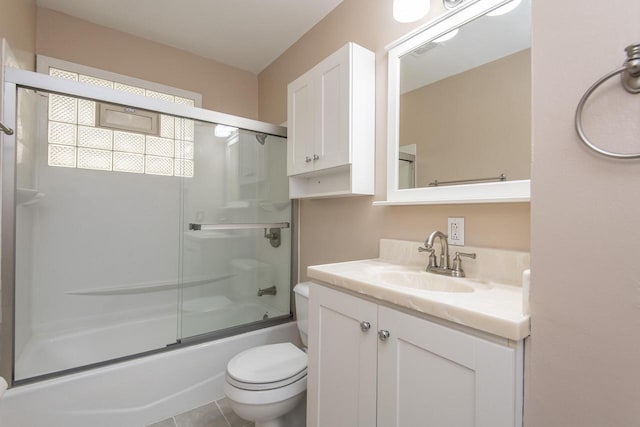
(332, 147)
(301, 122)
(430, 375)
(341, 389)
(331, 119)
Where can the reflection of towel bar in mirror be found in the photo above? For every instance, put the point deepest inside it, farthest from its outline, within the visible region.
(204, 227)
(435, 183)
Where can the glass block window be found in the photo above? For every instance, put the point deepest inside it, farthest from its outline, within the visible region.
(75, 140)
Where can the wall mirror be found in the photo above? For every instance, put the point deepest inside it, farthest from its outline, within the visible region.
(459, 118)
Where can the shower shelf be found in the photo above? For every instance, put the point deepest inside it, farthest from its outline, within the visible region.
(28, 196)
(143, 288)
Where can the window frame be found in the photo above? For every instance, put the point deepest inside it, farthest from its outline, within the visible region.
(43, 63)
(45, 66)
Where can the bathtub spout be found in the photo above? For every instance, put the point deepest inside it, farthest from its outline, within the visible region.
(267, 291)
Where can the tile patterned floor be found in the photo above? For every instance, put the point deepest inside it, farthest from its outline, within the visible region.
(214, 414)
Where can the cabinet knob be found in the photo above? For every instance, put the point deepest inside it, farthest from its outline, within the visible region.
(316, 157)
(383, 334)
(365, 326)
(307, 159)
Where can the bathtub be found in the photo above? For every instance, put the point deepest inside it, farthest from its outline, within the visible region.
(108, 338)
(137, 392)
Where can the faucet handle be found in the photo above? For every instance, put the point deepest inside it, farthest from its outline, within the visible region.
(471, 255)
(432, 256)
(457, 270)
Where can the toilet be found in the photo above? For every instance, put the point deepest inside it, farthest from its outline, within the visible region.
(267, 384)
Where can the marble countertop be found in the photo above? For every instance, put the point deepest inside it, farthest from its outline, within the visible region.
(486, 305)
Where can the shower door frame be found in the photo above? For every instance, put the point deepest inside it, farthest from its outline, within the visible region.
(15, 79)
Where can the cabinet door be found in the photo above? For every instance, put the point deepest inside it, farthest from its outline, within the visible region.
(341, 389)
(300, 120)
(332, 92)
(430, 375)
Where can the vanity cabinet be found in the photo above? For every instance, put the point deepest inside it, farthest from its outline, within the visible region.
(331, 118)
(421, 374)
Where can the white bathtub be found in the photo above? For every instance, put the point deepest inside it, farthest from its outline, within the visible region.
(137, 392)
(112, 337)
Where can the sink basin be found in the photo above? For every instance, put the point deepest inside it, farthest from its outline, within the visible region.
(421, 280)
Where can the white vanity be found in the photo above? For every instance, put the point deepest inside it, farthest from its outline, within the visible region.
(393, 345)
(390, 344)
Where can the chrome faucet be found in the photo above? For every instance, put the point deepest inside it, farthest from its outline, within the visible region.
(444, 251)
(272, 290)
(443, 267)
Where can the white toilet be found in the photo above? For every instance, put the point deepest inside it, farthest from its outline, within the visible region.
(268, 383)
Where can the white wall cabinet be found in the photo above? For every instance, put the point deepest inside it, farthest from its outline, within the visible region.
(423, 374)
(331, 118)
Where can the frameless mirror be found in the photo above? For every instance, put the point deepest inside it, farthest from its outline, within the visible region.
(460, 107)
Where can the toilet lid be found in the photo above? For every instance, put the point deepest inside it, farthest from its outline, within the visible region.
(267, 364)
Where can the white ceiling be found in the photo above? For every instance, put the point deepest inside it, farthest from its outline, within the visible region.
(248, 34)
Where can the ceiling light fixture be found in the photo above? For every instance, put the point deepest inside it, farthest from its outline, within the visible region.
(410, 10)
(505, 8)
(447, 36)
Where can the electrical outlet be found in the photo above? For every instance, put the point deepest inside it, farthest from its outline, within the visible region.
(456, 232)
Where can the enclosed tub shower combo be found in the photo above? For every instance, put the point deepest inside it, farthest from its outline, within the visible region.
(134, 223)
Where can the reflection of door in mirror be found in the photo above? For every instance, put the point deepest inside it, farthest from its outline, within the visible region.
(407, 166)
(465, 102)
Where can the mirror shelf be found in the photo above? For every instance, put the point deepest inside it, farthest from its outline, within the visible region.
(517, 190)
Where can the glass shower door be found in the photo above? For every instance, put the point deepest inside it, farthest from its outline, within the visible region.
(97, 239)
(236, 258)
(128, 240)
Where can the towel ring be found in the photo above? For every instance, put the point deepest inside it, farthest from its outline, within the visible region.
(630, 81)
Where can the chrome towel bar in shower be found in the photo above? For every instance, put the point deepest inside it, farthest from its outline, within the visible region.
(203, 227)
(272, 230)
(6, 129)
(630, 81)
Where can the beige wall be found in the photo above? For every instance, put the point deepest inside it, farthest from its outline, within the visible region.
(349, 228)
(224, 88)
(18, 26)
(585, 295)
(475, 124)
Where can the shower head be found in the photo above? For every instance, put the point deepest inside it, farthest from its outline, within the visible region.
(261, 138)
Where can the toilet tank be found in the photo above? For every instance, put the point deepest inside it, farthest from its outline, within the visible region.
(301, 291)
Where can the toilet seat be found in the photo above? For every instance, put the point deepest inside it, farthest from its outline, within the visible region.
(267, 367)
(266, 386)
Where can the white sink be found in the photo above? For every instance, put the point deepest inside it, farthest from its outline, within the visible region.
(480, 303)
(421, 280)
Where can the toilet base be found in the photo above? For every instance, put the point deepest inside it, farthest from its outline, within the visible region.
(293, 412)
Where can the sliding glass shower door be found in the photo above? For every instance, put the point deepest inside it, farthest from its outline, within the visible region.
(129, 241)
(97, 238)
(237, 235)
